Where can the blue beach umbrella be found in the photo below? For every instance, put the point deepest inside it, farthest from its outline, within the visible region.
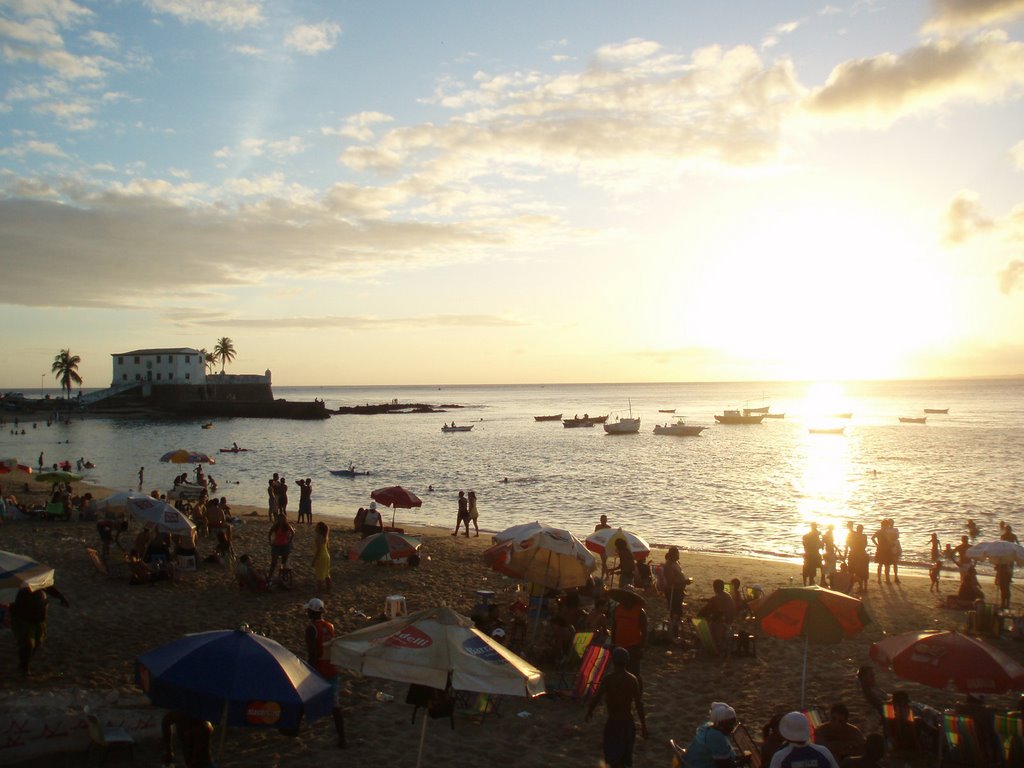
(234, 677)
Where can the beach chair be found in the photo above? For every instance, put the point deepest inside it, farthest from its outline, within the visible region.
(477, 706)
(102, 738)
(1010, 728)
(745, 744)
(985, 620)
(963, 747)
(54, 510)
(900, 735)
(591, 670)
(707, 641)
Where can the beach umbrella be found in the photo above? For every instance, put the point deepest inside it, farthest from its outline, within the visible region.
(118, 502)
(159, 513)
(17, 571)
(182, 456)
(396, 496)
(234, 677)
(998, 552)
(431, 647)
(816, 614)
(938, 658)
(11, 465)
(540, 554)
(57, 476)
(384, 546)
(603, 542)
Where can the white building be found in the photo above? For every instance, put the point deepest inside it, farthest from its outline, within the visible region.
(159, 366)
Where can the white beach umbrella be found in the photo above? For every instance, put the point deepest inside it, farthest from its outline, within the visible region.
(17, 571)
(999, 552)
(429, 647)
(540, 554)
(118, 502)
(603, 542)
(159, 513)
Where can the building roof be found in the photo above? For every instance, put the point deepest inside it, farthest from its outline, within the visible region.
(169, 351)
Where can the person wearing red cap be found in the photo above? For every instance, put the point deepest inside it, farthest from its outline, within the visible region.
(319, 634)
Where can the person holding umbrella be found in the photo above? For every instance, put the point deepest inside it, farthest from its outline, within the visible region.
(621, 691)
(319, 634)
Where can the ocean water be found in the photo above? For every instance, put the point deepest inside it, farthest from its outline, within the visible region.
(735, 489)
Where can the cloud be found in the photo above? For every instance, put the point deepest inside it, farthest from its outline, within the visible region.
(312, 39)
(248, 50)
(278, 150)
(1017, 154)
(219, 14)
(879, 90)
(1012, 277)
(46, 148)
(359, 126)
(964, 219)
(64, 12)
(957, 15)
(186, 318)
(102, 39)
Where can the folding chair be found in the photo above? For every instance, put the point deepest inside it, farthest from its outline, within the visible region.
(985, 620)
(707, 640)
(477, 705)
(592, 666)
(1010, 728)
(964, 749)
(102, 738)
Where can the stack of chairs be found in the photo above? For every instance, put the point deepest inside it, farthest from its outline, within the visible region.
(1010, 727)
(963, 747)
(985, 620)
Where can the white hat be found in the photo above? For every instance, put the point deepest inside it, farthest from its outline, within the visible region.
(373, 505)
(794, 727)
(316, 605)
(721, 712)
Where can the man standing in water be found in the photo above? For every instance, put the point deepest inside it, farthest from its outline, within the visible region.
(621, 690)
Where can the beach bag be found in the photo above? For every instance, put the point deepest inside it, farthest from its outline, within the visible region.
(438, 702)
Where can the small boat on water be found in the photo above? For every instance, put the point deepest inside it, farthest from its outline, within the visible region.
(842, 415)
(598, 419)
(234, 449)
(913, 419)
(350, 472)
(827, 430)
(453, 428)
(666, 410)
(208, 425)
(573, 423)
(763, 409)
(735, 417)
(936, 410)
(556, 417)
(679, 429)
(623, 425)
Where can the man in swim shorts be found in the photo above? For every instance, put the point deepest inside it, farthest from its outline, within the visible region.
(621, 690)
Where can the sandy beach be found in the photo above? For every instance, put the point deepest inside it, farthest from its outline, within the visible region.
(92, 644)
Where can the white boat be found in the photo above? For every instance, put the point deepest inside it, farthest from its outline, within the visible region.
(453, 428)
(735, 417)
(623, 425)
(680, 429)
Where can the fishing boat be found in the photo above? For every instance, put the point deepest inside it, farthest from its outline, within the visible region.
(624, 425)
(680, 428)
(556, 417)
(598, 419)
(234, 449)
(763, 409)
(913, 419)
(453, 428)
(350, 472)
(827, 430)
(735, 417)
(208, 425)
(577, 422)
(666, 410)
(936, 410)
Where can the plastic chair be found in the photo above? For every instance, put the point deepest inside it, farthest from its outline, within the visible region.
(394, 606)
(102, 738)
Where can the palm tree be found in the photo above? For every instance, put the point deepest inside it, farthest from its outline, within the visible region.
(209, 360)
(65, 370)
(224, 350)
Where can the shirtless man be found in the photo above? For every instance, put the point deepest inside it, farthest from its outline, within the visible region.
(621, 691)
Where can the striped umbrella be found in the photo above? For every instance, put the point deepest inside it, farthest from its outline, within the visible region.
(17, 571)
(603, 542)
(388, 545)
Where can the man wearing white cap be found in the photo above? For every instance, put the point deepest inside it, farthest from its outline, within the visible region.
(319, 634)
(371, 522)
(799, 752)
(711, 747)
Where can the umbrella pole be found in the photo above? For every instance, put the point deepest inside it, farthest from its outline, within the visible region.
(223, 729)
(803, 676)
(423, 740)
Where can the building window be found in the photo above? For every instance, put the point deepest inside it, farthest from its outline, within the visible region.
(188, 376)
(158, 358)
(120, 361)
(137, 360)
(138, 377)
(170, 358)
(124, 377)
(170, 376)
(188, 358)
(158, 376)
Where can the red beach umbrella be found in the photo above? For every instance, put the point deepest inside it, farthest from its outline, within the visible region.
(816, 614)
(938, 658)
(396, 496)
(183, 456)
(603, 542)
(11, 465)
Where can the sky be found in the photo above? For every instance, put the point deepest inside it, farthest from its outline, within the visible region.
(385, 192)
